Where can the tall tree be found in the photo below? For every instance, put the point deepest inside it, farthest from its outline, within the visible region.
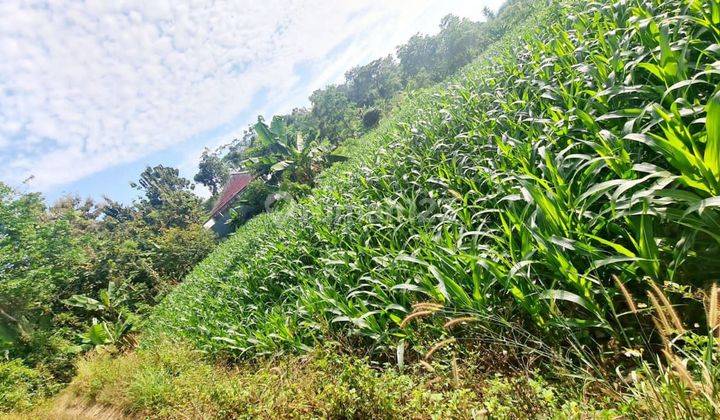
(427, 58)
(373, 82)
(337, 118)
(212, 171)
(168, 199)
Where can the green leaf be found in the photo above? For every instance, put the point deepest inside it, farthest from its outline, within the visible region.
(96, 335)
(82, 301)
(281, 166)
(332, 158)
(299, 142)
(554, 294)
(278, 127)
(263, 133)
(701, 205)
(712, 123)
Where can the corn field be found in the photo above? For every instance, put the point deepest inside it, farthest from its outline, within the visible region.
(554, 180)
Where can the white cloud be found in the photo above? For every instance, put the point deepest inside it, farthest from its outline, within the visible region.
(88, 85)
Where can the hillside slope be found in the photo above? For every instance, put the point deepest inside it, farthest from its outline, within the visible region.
(250, 295)
(557, 201)
(541, 173)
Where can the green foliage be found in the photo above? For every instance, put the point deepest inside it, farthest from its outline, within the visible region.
(156, 183)
(371, 118)
(256, 194)
(116, 320)
(278, 153)
(344, 111)
(167, 200)
(439, 56)
(212, 171)
(337, 118)
(571, 168)
(74, 275)
(178, 250)
(20, 386)
(167, 381)
(523, 188)
(38, 257)
(254, 199)
(373, 83)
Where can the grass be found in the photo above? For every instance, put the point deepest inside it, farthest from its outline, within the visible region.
(21, 387)
(168, 382)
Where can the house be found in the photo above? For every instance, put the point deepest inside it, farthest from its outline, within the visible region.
(220, 214)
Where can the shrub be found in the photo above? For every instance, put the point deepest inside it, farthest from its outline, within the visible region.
(370, 118)
(21, 386)
(255, 195)
(169, 381)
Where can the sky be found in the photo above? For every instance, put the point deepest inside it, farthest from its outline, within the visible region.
(92, 92)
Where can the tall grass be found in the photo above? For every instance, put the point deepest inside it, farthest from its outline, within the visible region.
(170, 382)
(563, 171)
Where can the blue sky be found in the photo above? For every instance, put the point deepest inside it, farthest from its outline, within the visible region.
(92, 92)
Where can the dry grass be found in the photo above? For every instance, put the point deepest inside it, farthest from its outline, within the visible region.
(626, 294)
(461, 320)
(67, 406)
(438, 346)
(406, 321)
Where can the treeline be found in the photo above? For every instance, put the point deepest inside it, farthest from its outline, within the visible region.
(349, 109)
(80, 273)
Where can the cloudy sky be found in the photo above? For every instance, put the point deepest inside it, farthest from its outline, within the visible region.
(93, 91)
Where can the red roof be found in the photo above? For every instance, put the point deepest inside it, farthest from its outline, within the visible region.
(234, 186)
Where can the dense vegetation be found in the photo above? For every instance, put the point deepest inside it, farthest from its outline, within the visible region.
(80, 274)
(171, 383)
(566, 187)
(552, 209)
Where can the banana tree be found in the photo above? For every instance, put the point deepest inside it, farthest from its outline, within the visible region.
(116, 321)
(282, 154)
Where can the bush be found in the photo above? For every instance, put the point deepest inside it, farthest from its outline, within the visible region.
(21, 386)
(371, 118)
(255, 195)
(179, 250)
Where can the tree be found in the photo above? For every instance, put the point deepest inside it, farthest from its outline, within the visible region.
(212, 172)
(373, 82)
(178, 250)
(337, 119)
(302, 121)
(78, 247)
(159, 181)
(40, 258)
(236, 149)
(280, 152)
(426, 58)
(416, 56)
(168, 198)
